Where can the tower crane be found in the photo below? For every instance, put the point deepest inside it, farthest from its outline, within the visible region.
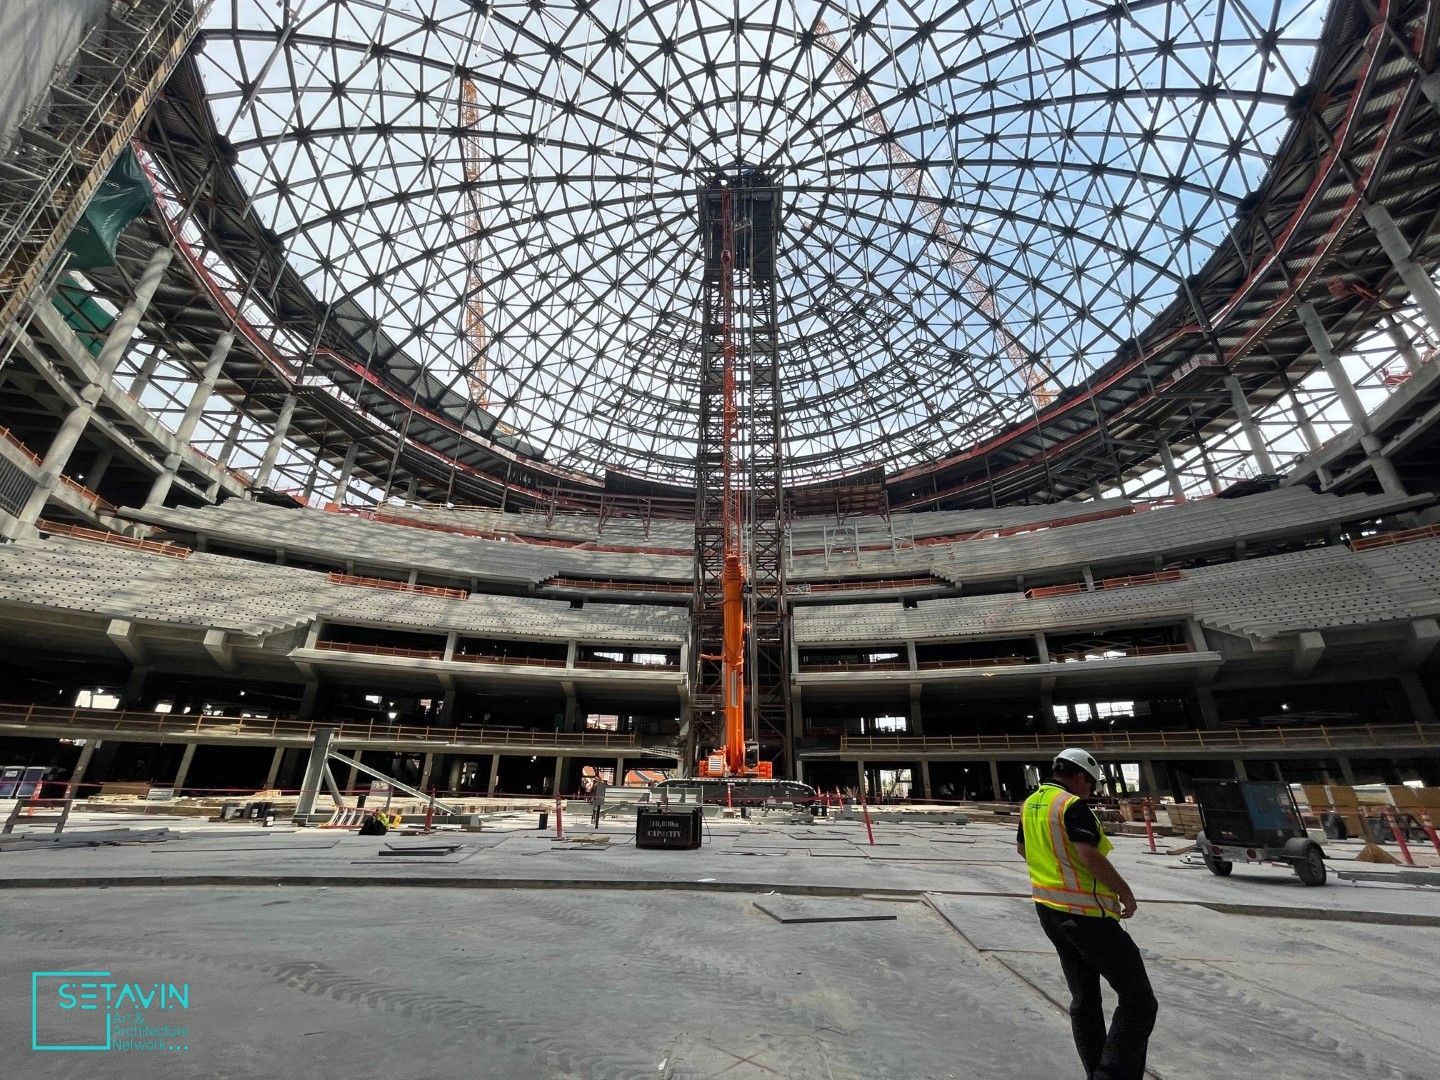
(476, 374)
(913, 180)
(729, 759)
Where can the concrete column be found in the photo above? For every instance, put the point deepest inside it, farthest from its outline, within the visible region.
(1172, 474)
(342, 483)
(1354, 409)
(117, 344)
(925, 788)
(122, 330)
(194, 409)
(184, 769)
(994, 779)
(161, 487)
(1042, 648)
(1209, 714)
(447, 708)
(494, 774)
(277, 440)
(1403, 345)
(56, 460)
(353, 776)
(1347, 770)
(619, 771)
(1240, 773)
(274, 773)
(860, 772)
(1045, 722)
(1422, 289)
(72, 789)
(309, 695)
(1253, 435)
(1422, 710)
(141, 382)
(452, 779)
(917, 715)
(559, 775)
(910, 658)
(134, 692)
(1302, 422)
(1147, 777)
(98, 468)
(1211, 476)
(425, 771)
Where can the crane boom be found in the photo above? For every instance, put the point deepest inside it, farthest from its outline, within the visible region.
(476, 375)
(913, 180)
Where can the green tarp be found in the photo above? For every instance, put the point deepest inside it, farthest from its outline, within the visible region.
(87, 318)
(122, 197)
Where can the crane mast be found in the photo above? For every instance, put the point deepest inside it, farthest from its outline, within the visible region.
(740, 638)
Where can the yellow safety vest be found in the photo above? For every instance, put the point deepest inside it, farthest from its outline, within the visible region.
(1058, 878)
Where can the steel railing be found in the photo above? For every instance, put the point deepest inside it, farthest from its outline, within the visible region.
(200, 726)
(1363, 736)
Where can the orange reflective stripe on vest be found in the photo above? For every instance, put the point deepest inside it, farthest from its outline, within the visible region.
(1058, 878)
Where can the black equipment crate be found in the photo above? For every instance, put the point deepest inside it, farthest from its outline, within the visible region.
(655, 828)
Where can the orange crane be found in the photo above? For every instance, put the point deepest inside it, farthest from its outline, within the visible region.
(729, 759)
(913, 180)
(475, 368)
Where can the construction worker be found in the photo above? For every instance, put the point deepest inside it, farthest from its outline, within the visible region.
(1080, 899)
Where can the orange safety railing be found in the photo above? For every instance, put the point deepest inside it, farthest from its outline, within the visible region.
(35, 459)
(513, 661)
(979, 661)
(885, 584)
(336, 578)
(857, 666)
(381, 650)
(1364, 736)
(1159, 577)
(86, 494)
(1118, 653)
(1391, 539)
(614, 586)
(1053, 590)
(79, 532)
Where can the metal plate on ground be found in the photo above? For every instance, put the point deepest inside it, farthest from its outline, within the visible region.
(804, 909)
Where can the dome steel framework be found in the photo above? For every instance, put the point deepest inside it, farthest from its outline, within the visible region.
(983, 205)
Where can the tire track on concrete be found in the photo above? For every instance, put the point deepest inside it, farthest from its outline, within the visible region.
(526, 1042)
(1235, 1010)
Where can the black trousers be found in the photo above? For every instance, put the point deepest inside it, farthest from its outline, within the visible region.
(1092, 947)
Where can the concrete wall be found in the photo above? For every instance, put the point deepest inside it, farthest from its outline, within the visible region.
(35, 36)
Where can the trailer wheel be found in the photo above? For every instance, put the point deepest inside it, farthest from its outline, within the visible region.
(1218, 867)
(1310, 867)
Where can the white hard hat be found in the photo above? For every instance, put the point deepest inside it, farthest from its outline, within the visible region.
(1084, 760)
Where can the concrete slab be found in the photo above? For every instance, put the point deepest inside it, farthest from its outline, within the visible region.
(308, 952)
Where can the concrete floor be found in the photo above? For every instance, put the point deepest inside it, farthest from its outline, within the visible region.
(521, 957)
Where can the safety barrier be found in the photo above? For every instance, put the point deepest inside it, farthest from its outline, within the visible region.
(1358, 737)
(269, 730)
(1393, 539)
(336, 578)
(100, 536)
